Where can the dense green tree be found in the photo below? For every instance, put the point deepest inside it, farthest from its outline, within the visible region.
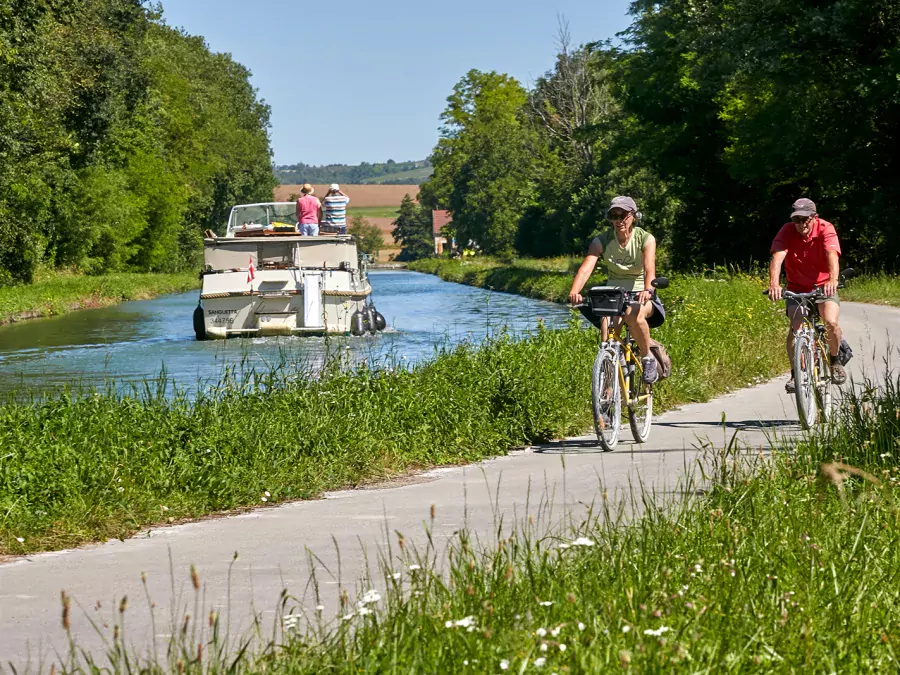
(121, 139)
(485, 161)
(413, 230)
(368, 236)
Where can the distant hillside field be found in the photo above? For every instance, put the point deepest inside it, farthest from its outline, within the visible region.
(390, 172)
(361, 196)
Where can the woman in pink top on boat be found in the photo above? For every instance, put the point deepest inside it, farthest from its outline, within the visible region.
(309, 208)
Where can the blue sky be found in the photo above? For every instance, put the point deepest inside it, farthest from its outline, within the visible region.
(366, 81)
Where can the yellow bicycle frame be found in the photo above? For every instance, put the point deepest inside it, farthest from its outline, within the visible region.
(630, 357)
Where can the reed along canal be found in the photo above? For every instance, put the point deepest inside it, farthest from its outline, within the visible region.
(133, 343)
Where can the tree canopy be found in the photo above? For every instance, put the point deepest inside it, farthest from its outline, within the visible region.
(121, 139)
(714, 116)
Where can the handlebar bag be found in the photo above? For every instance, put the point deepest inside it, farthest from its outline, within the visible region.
(606, 300)
(844, 353)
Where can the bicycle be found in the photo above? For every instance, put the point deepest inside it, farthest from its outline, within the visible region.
(811, 360)
(617, 368)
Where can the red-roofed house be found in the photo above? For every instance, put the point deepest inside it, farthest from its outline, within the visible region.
(438, 220)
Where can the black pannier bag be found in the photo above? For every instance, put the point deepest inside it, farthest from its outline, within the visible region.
(844, 353)
(606, 300)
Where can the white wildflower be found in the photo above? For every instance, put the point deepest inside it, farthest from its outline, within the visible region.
(347, 617)
(584, 541)
(581, 626)
(370, 597)
(465, 622)
(413, 568)
(265, 499)
(539, 662)
(657, 632)
(21, 540)
(541, 632)
(562, 648)
(364, 611)
(546, 603)
(543, 646)
(555, 631)
(626, 628)
(267, 493)
(320, 608)
(395, 576)
(504, 664)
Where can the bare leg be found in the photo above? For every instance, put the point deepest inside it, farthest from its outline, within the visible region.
(636, 318)
(830, 311)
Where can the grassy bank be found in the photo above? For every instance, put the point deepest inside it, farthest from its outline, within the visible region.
(85, 468)
(544, 279)
(791, 569)
(879, 290)
(61, 293)
(550, 279)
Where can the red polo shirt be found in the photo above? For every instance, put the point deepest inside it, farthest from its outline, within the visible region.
(806, 264)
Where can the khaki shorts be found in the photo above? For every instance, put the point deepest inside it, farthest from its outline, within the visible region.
(792, 303)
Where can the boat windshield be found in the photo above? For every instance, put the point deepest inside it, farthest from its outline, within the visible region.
(267, 215)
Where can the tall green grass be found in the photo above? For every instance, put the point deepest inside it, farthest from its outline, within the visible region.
(81, 468)
(61, 293)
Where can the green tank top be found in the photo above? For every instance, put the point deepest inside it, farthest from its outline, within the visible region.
(624, 264)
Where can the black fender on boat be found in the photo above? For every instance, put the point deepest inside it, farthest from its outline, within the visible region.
(357, 323)
(380, 322)
(199, 325)
(370, 319)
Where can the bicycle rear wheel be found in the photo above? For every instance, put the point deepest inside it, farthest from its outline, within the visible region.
(803, 367)
(640, 407)
(607, 400)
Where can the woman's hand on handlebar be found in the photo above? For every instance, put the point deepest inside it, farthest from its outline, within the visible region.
(775, 293)
(575, 298)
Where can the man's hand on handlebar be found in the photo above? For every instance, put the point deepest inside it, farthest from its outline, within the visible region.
(575, 298)
(829, 287)
(644, 296)
(774, 292)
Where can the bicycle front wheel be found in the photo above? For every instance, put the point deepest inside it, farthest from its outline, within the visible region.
(607, 400)
(640, 406)
(824, 386)
(804, 379)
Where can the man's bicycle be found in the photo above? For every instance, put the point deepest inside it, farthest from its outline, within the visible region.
(811, 360)
(617, 369)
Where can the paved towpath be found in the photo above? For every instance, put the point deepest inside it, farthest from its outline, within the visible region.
(272, 543)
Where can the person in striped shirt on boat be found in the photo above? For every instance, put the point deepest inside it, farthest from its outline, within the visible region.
(334, 208)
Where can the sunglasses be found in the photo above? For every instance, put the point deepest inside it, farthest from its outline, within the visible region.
(618, 215)
(799, 220)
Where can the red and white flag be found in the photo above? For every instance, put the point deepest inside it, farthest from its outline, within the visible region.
(251, 272)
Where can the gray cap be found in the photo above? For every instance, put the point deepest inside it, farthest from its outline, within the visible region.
(803, 207)
(624, 203)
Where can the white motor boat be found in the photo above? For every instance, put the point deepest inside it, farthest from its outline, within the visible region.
(264, 278)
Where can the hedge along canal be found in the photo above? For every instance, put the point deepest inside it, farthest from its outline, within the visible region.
(78, 469)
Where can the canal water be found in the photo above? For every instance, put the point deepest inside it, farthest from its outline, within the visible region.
(136, 342)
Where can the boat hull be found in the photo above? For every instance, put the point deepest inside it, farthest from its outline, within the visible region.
(279, 303)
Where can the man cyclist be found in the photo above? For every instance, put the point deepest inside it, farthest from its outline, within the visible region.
(808, 247)
(629, 254)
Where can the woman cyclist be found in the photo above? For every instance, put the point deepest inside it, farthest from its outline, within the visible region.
(629, 253)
